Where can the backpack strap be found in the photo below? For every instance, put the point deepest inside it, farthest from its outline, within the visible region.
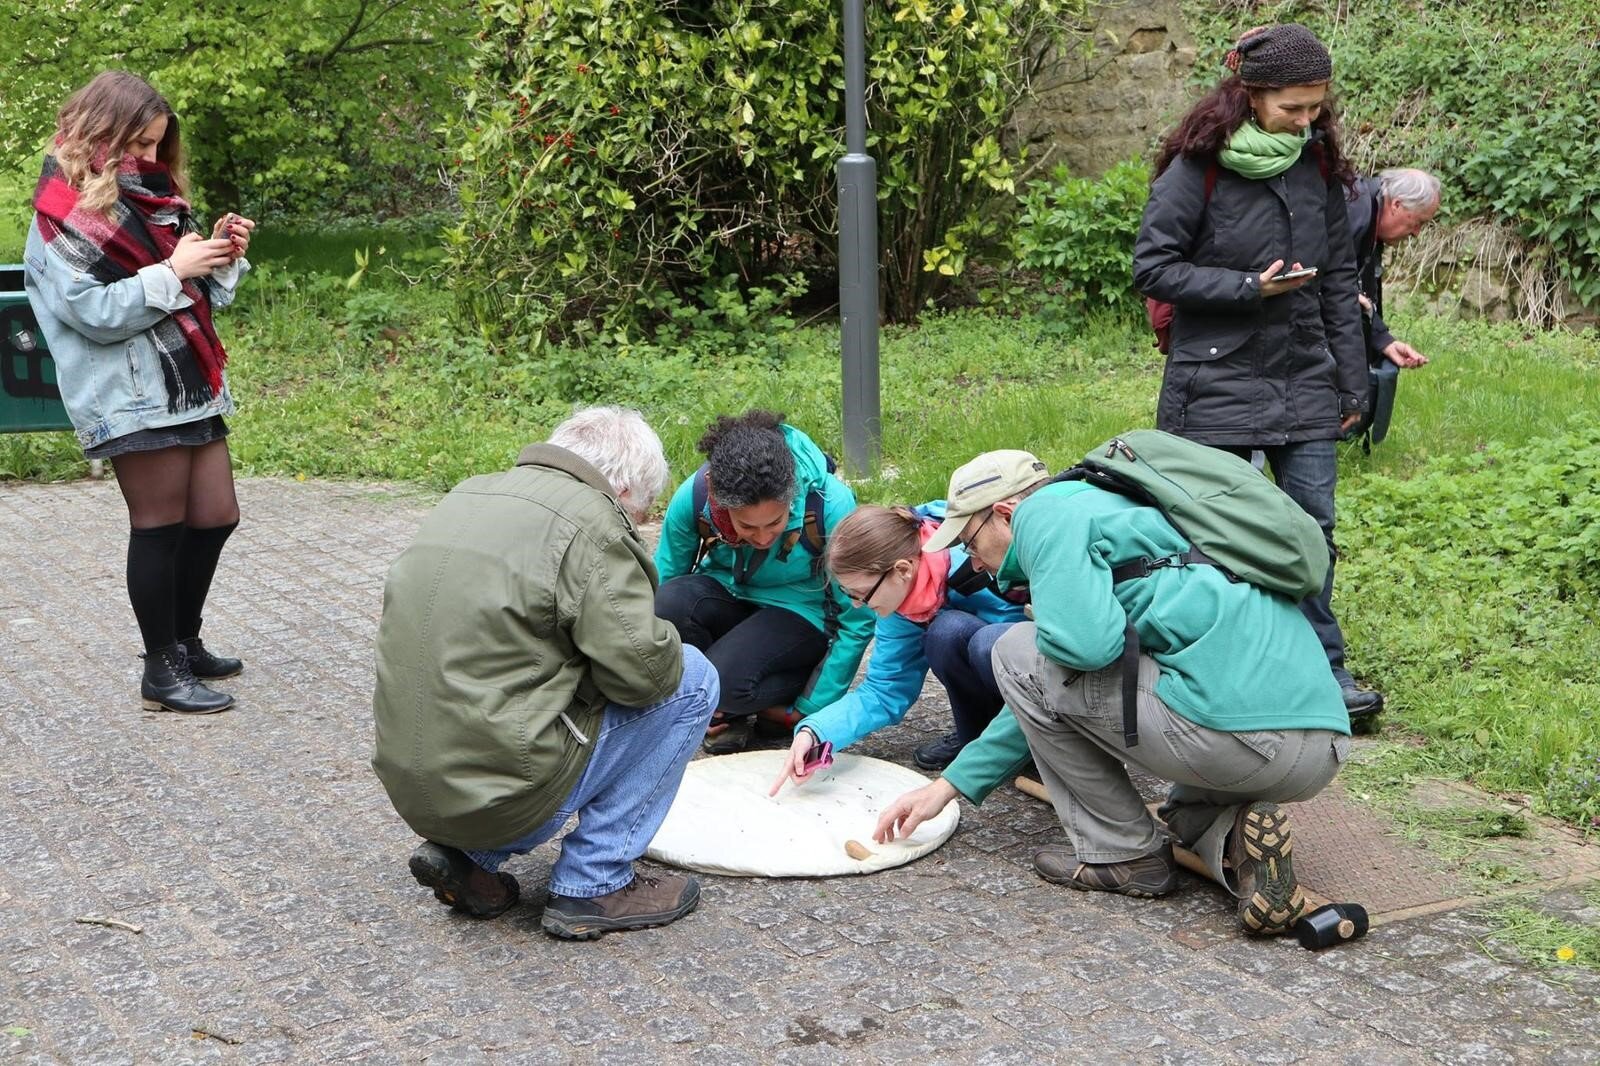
(700, 497)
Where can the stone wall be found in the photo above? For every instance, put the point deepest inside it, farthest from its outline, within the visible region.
(1114, 102)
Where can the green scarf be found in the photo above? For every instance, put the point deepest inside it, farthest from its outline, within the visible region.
(1252, 152)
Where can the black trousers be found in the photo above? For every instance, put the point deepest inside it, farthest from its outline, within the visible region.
(763, 655)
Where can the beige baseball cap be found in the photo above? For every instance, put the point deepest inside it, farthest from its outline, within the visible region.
(984, 482)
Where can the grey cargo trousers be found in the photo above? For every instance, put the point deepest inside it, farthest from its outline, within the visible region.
(1073, 722)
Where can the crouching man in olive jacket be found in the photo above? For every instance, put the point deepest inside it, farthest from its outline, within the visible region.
(523, 678)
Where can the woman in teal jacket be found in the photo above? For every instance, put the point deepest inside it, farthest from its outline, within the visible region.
(742, 575)
(935, 612)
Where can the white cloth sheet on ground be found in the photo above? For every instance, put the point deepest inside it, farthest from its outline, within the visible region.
(723, 821)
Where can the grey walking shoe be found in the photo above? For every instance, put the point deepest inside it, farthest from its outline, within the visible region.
(1146, 877)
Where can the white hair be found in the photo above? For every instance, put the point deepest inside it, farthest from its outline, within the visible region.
(619, 443)
(1407, 187)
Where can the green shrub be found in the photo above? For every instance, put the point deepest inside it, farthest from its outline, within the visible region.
(1078, 233)
(615, 150)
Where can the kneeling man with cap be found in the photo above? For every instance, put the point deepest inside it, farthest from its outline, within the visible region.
(1235, 704)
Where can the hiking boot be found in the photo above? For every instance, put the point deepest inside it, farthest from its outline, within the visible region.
(169, 685)
(728, 735)
(937, 754)
(1270, 899)
(1146, 877)
(461, 883)
(206, 665)
(646, 902)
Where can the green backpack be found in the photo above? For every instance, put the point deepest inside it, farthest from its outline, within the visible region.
(1233, 517)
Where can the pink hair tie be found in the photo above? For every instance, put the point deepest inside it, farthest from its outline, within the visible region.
(1231, 61)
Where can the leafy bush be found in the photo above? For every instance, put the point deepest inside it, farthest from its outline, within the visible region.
(1078, 233)
(299, 108)
(614, 150)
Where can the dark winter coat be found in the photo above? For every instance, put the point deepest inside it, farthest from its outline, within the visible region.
(1365, 203)
(1243, 370)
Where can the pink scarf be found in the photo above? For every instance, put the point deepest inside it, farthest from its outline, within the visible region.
(927, 585)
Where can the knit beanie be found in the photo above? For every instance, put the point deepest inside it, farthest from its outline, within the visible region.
(1272, 57)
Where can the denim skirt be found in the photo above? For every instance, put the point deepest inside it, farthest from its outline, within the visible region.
(187, 435)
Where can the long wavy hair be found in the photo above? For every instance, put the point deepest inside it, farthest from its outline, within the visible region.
(95, 127)
(1205, 129)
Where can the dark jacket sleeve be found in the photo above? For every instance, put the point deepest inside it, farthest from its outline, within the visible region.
(1168, 234)
(1341, 311)
(1362, 208)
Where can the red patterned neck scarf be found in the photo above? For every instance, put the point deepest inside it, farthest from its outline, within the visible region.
(927, 593)
(141, 230)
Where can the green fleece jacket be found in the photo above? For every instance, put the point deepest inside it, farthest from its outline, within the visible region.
(795, 582)
(523, 606)
(1233, 657)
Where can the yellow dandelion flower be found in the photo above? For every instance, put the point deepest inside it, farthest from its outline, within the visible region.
(1565, 953)
(957, 13)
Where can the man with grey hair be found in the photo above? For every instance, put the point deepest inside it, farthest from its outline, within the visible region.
(524, 679)
(1386, 210)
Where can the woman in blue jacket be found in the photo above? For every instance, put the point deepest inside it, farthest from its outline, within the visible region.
(123, 282)
(930, 617)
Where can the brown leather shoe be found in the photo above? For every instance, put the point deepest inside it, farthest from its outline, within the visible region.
(1259, 850)
(646, 902)
(1146, 877)
(461, 883)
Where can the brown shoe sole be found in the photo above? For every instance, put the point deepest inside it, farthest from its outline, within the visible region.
(1278, 900)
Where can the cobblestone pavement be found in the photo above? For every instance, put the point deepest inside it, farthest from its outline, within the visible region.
(267, 871)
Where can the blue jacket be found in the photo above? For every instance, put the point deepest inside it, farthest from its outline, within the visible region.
(795, 583)
(898, 666)
(106, 363)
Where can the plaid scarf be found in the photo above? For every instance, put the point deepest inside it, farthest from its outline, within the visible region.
(141, 230)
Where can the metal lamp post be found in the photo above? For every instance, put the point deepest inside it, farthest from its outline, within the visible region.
(858, 259)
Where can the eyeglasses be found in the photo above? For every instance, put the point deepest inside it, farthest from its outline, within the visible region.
(966, 544)
(873, 591)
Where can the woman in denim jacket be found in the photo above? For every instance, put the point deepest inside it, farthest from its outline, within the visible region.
(123, 285)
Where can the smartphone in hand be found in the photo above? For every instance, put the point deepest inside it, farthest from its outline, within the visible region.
(820, 757)
(1290, 275)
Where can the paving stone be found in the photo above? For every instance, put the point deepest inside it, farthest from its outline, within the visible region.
(269, 873)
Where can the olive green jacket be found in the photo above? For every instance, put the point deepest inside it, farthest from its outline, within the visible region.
(524, 605)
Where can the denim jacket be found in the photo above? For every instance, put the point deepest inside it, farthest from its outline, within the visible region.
(106, 362)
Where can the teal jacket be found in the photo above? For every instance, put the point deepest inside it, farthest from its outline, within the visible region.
(797, 582)
(899, 666)
(1233, 657)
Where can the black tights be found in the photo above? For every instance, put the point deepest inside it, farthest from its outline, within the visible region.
(181, 507)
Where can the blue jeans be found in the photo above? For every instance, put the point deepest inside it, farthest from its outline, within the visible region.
(624, 793)
(957, 646)
(1307, 472)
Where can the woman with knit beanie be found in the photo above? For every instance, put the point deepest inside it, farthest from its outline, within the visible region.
(123, 282)
(1245, 237)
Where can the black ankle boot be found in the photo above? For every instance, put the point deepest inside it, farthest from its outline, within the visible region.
(205, 665)
(169, 685)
